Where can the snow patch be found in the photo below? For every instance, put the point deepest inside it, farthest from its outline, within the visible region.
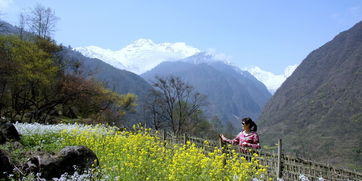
(270, 80)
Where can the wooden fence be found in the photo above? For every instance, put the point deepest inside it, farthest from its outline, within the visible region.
(279, 165)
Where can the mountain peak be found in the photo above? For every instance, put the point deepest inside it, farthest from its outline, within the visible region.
(205, 57)
(143, 42)
(141, 55)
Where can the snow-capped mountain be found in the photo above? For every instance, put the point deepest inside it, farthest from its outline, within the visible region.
(141, 55)
(271, 81)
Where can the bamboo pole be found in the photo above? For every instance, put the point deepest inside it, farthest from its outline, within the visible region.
(185, 138)
(222, 147)
(164, 134)
(279, 166)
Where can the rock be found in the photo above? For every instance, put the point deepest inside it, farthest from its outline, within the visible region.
(6, 165)
(8, 132)
(54, 166)
(2, 138)
(31, 166)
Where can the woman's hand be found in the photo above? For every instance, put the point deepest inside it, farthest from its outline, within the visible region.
(222, 137)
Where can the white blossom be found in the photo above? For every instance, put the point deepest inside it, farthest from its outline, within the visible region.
(303, 178)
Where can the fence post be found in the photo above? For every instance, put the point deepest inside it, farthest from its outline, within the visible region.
(279, 166)
(222, 147)
(185, 138)
(221, 143)
(164, 135)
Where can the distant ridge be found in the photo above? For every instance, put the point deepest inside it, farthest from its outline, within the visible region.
(120, 81)
(231, 92)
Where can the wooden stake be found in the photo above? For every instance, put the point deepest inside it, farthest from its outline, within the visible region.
(279, 167)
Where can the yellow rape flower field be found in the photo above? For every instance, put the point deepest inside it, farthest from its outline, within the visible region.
(138, 155)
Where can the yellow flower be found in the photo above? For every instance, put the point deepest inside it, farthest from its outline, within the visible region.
(138, 155)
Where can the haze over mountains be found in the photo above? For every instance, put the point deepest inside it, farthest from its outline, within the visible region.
(117, 80)
(120, 81)
(144, 54)
(318, 109)
(231, 92)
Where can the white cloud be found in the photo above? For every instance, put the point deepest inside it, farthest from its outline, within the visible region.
(4, 4)
(270, 80)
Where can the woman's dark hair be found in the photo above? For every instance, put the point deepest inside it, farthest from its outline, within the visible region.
(253, 126)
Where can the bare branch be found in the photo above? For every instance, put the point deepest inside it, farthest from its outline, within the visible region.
(177, 102)
(41, 21)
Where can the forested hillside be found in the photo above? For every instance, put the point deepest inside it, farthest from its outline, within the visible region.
(72, 63)
(120, 81)
(35, 86)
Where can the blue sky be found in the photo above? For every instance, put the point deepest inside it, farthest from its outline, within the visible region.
(264, 33)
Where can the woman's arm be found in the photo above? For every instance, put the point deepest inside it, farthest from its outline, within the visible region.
(234, 141)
